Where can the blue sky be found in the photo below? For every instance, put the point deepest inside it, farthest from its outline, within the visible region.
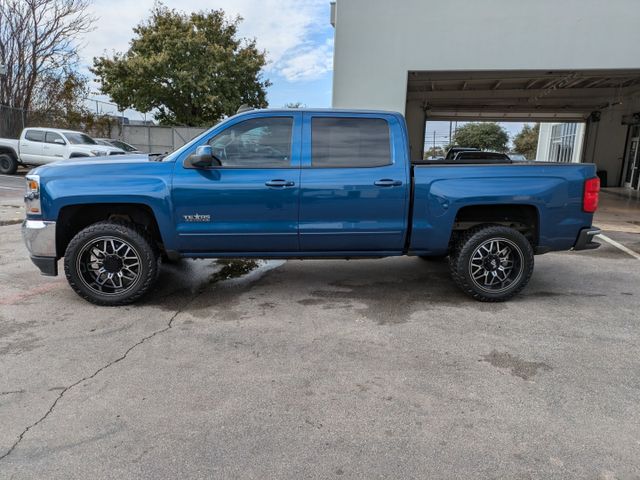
(296, 34)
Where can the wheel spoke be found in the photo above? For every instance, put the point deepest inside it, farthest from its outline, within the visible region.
(495, 264)
(109, 265)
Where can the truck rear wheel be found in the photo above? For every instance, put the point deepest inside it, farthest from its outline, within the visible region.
(8, 164)
(111, 263)
(492, 263)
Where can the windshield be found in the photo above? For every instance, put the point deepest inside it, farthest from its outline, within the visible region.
(78, 138)
(123, 146)
(172, 156)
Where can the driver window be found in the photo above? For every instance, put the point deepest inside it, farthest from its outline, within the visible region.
(255, 143)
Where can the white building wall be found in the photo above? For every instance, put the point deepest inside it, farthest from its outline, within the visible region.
(378, 41)
(545, 142)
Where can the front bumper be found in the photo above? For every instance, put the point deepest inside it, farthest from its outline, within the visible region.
(40, 238)
(585, 239)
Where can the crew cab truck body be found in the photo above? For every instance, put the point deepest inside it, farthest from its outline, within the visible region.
(39, 146)
(303, 184)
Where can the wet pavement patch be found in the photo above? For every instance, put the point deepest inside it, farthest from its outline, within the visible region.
(233, 269)
(517, 366)
(4, 223)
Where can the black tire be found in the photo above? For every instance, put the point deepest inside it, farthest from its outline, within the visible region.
(492, 263)
(8, 164)
(112, 263)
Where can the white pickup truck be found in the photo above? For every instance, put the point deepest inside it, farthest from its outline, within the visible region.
(38, 146)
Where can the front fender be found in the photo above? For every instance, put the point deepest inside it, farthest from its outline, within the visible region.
(130, 184)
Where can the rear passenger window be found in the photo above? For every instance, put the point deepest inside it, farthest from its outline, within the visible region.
(349, 142)
(34, 135)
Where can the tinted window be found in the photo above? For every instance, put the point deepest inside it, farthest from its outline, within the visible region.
(51, 137)
(350, 142)
(34, 135)
(78, 138)
(259, 143)
(481, 156)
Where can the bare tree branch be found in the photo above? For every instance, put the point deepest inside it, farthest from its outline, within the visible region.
(38, 46)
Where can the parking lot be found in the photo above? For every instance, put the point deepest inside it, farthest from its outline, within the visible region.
(321, 369)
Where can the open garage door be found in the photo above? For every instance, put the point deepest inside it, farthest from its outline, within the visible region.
(523, 95)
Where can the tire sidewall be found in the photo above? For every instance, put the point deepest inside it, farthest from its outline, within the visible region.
(13, 164)
(461, 261)
(148, 258)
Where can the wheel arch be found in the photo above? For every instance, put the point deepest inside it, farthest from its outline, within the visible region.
(9, 151)
(74, 218)
(524, 218)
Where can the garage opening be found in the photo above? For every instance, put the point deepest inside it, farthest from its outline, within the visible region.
(523, 141)
(599, 108)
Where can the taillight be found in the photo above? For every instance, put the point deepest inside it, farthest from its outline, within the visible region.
(591, 193)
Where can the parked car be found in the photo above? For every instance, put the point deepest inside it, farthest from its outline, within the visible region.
(303, 184)
(481, 157)
(452, 152)
(39, 146)
(518, 157)
(118, 144)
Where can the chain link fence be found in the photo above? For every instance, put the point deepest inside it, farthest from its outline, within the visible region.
(147, 138)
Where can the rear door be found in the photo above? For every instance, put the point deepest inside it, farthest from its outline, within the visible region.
(250, 203)
(354, 183)
(31, 146)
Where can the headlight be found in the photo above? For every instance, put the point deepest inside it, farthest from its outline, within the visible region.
(98, 153)
(32, 195)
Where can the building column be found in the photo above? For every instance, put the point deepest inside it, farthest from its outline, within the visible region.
(416, 118)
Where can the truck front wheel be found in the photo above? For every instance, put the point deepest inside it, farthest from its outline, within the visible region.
(8, 164)
(111, 263)
(492, 263)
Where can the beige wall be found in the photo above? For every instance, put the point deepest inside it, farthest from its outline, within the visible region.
(378, 41)
(606, 139)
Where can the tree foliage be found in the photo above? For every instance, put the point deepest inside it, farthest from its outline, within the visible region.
(526, 141)
(482, 135)
(434, 152)
(192, 69)
(37, 46)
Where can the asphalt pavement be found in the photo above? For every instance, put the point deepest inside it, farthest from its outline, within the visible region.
(323, 369)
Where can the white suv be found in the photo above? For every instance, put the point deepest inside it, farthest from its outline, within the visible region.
(38, 146)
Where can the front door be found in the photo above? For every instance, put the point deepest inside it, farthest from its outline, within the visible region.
(632, 177)
(54, 147)
(249, 204)
(354, 184)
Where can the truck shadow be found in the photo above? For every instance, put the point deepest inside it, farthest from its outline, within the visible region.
(386, 291)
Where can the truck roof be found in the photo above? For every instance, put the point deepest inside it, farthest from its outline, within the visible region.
(321, 110)
(57, 130)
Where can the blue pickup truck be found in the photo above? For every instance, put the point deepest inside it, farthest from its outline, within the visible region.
(303, 184)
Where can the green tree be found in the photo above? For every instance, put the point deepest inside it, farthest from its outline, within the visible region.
(482, 135)
(192, 69)
(526, 141)
(434, 152)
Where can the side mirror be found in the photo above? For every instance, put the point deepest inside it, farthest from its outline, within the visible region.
(203, 158)
(59, 141)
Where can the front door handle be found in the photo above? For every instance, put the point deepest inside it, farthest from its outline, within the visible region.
(387, 182)
(280, 183)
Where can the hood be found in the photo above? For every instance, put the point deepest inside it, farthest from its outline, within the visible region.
(116, 161)
(99, 148)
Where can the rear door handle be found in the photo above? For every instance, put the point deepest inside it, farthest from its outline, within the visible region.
(280, 183)
(387, 182)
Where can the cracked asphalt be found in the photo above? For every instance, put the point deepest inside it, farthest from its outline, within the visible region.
(323, 369)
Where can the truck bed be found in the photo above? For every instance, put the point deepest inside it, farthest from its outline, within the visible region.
(554, 190)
